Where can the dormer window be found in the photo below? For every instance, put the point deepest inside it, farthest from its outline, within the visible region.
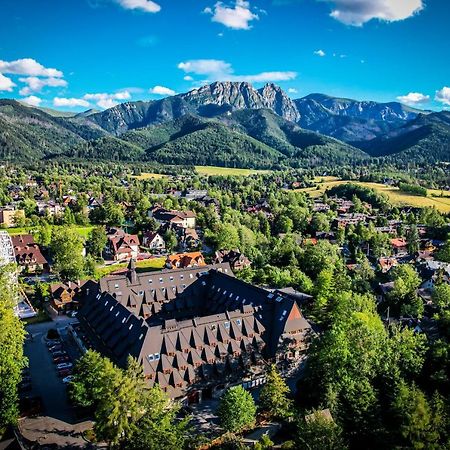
(238, 322)
(226, 325)
(157, 356)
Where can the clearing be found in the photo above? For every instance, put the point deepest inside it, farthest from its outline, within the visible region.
(439, 199)
(150, 175)
(82, 231)
(224, 171)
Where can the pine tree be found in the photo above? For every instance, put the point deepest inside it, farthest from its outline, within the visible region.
(273, 398)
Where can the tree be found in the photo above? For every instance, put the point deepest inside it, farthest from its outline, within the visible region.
(404, 294)
(414, 418)
(96, 242)
(237, 409)
(444, 253)
(158, 428)
(67, 251)
(320, 222)
(170, 239)
(43, 235)
(226, 237)
(441, 296)
(12, 360)
(273, 397)
(319, 432)
(413, 239)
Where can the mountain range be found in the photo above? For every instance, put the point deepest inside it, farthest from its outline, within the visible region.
(230, 124)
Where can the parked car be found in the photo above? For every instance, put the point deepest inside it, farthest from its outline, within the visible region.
(55, 348)
(65, 365)
(72, 314)
(61, 359)
(53, 342)
(68, 379)
(64, 372)
(59, 353)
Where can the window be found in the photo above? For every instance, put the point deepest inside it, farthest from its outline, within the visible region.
(150, 281)
(117, 313)
(171, 278)
(116, 286)
(226, 325)
(160, 280)
(238, 321)
(130, 327)
(181, 277)
(123, 320)
(156, 356)
(141, 292)
(112, 307)
(150, 357)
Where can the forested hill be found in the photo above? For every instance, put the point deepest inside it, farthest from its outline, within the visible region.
(229, 123)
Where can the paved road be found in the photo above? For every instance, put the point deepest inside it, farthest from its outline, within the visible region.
(44, 378)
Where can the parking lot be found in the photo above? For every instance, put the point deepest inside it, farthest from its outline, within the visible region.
(45, 380)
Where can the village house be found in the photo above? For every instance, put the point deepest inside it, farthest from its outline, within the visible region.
(121, 245)
(399, 246)
(66, 296)
(28, 255)
(217, 333)
(187, 238)
(9, 216)
(153, 241)
(49, 208)
(182, 260)
(235, 258)
(184, 219)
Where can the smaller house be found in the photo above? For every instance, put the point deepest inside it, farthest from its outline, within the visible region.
(184, 219)
(399, 246)
(188, 238)
(386, 264)
(235, 258)
(153, 241)
(184, 260)
(65, 296)
(28, 255)
(122, 245)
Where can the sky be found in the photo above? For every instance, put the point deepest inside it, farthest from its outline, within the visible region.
(80, 54)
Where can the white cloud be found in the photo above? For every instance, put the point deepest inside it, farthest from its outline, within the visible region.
(142, 5)
(443, 95)
(161, 90)
(292, 91)
(218, 70)
(70, 102)
(413, 98)
(188, 78)
(35, 84)
(28, 66)
(32, 100)
(237, 17)
(358, 12)
(106, 101)
(6, 84)
(320, 53)
(265, 77)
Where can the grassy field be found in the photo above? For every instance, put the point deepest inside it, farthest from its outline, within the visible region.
(82, 231)
(224, 171)
(149, 175)
(395, 195)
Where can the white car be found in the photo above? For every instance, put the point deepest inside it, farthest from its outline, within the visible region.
(68, 379)
(65, 365)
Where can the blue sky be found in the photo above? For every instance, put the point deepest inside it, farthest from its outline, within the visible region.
(75, 54)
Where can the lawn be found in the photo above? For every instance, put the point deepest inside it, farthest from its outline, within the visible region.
(141, 266)
(395, 195)
(224, 171)
(82, 231)
(149, 175)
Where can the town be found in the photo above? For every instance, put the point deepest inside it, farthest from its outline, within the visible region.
(249, 306)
